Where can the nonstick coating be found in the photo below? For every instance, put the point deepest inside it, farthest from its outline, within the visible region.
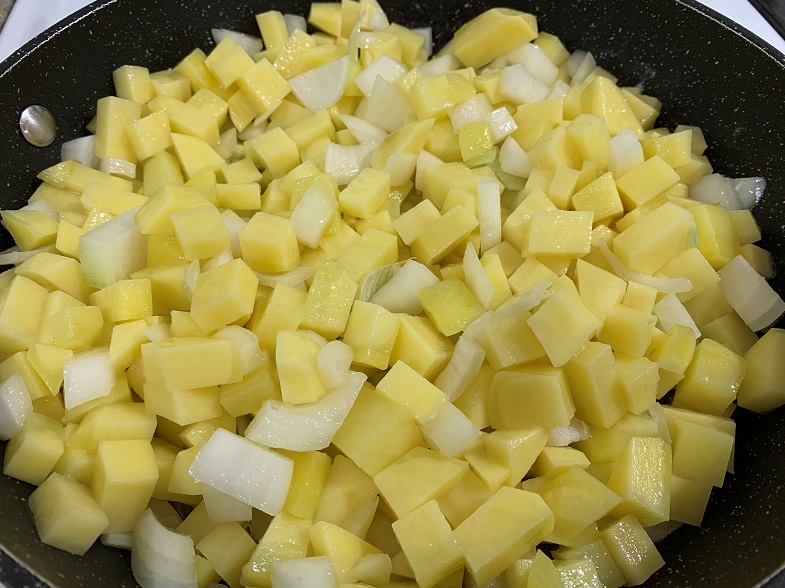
(706, 71)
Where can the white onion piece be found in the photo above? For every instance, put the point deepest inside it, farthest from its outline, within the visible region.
(160, 557)
(513, 159)
(227, 144)
(250, 44)
(373, 17)
(466, 361)
(476, 278)
(118, 540)
(82, 150)
(372, 568)
(362, 130)
(313, 572)
(190, 277)
(749, 191)
(670, 312)
(259, 126)
(533, 58)
(520, 86)
(658, 416)
(295, 22)
(473, 328)
(440, 64)
(12, 255)
(451, 431)
(333, 362)
(387, 107)
(247, 344)
(750, 295)
(625, 153)
(222, 258)
(15, 405)
(401, 292)
(112, 251)
(400, 166)
(313, 214)
(716, 189)
(321, 87)
(524, 301)
(425, 160)
(502, 124)
(222, 508)
(42, 206)
(292, 278)
(305, 427)
(475, 109)
(383, 66)
(580, 65)
(375, 279)
(490, 214)
(238, 467)
(576, 431)
(426, 32)
(87, 376)
(667, 285)
(559, 89)
(235, 225)
(118, 167)
(157, 332)
(344, 163)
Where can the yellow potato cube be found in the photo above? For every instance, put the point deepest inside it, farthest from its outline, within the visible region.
(434, 96)
(329, 301)
(66, 515)
(154, 217)
(643, 182)
(429, 544)
(111, 200)
(554, 461)
(700, 452)
(529, 397)
(559, 232)
(224, 295)
(132, 82)
(275, 151)
(171, 84)
(599, 289)
(371, 331)
(161, 169)
(376, 432)
(515, 450)
(373, 249)
(125, 300)
(74, 327)
(491, 35)
(475, 139)
(406, 387)
(168, 287)
(716, 240)
(632, 550)
(606, 445)
(210, 103)
(124, 480)
(711, 380)
(30, 229)
(450, 306)
(227, 547)
(563, 325)
(342, 547)
(490, 470)
(48, 362)
(603, 98)
(466, 497)
(761, 390)
(597, 553)
(745, 227)
(295, 359)
(19, 364)
(201, 232)
(349, 497)
(510, 341)
(187, 119)
(269, 244)
(638, 380)
(239, 196)
(529, 274)
(189, 362)
(628, 330)
(589, 136)
(365, 194)
(33, 451)
(228, 61)
(287, 537)
(420, 346)
(311, 469)
(510, 523)
(113, 115)
(180, 480)
(284, 311)
(688, 500)
(194, 154)
(21, 307)
(591, 374)
(600, 197)
(247, 396)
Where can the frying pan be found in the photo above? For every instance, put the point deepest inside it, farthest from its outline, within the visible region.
(706, 70)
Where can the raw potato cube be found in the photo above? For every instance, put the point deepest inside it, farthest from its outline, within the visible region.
(275, 151)
(239, 196)
(66, 515)
(186, 363)
(599, 289)
(117, 421)
(516, 450)
(224, 295)
(329, 301)
(287, 537)
(559, 232)
(530, 397)
(429, 544)
(437, 240)
(491, 471)
(374, 248)
(691, 264)
(450, 306)
(269, 245)
(194, 154)
(716, 240)
(632, 550)
(675, 351)
(603, 98)
(606, 445)
(406, 387)
(466, 497)
(132, 82)
(311, 469)
(19, 364)
(491, 35)
(434, 96)
(284, 311)
(48, 362)
(711, 380)
(154, 217)
(21, 307)
(125, 300)
(762, 388)
(414, 221)
(342, 547)
(510, 341)
(227, 547)
(557, 460)
(420, 346)
(591, 374)
(371, 332)
(638, 380)
(349, 497)
(597, 553)
(628, 330)
(510, 523)
(124, 480)
(365, 194)
(563, 325)
(418, 477)
(201, 232)
(600, 197)
(689, 499)
(295, 359)
(33, 452)
(113, 115)
(645, 181)
(701, 453)
(73, 327)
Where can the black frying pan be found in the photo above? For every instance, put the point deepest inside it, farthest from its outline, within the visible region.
(706, 70)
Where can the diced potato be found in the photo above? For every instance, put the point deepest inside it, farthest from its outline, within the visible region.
(374, 248)
(591, 374)
(563, 325)
(329, 302)
(450, 306)
(224, 295)
(295, 359)
(34, 450)
(516, 450)
(632, 550)
(349, 497)
(436, 241)
(287, 537)
(530, 397)
(227, 547)
(406, 387)
(700, 453)
(761, 389)
(712, 379)
(342, 547)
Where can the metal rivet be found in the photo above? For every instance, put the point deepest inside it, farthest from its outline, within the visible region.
(38, 126)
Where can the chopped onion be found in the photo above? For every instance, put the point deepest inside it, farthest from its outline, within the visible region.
(749, 191)
(475, 109)
(440, 64)
(667, 285)
(387, 107)
(157, 332)
(716, 189)
(160, 557)
(362, 130)
(520, 86)
(373, 17)
(476, 278)
(580, 65)
(42, 206)
(625, 153)
(235, 225)
(375, 279)
(576, 431)
(12, 255)
(451, 431)
(750, 295)
(15, 405)
(305, 427)
(292, 278)
(294, 22)
(658, 416)
(314, 213)
(401, 292)
(259, 126)
(118, 540)
(321, 87)
(240, 468)
(87, 376)
(424, 160)
(473, 328)
(248, 43)
(247, 344)
(112, 251)
(383, 66)
(533, 58)
(320, 340)
(400, 166)
(82, 150)
(222, 258)
(483, 159)
(426, 32)
(372, 568)
(466, 361)
(227, 144)
(502, 124)
(118, 167)
(190, 277)
(524, 300)
(559, 89)
(670, 312)
(513, 159)
(313, 572)
(490, 214)
(222, 508)
(333, 362)
(344, 163)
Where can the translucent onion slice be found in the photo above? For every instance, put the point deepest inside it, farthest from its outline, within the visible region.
(222, 508)
(502, 124)
(295, 22)
(160, 557)
(240, 468)
(375, 280)
(451, 431)
(386, 107)
(476, 278)
(426, 32)
(401, 292)
(314, 213)
(12, 255)
(293, 278)
(15, 405)
(383, 66)
(305, 427)
(250, 44)
(333, 362)
(314, 572)
(235, 225)
(440, 64)
(475, 109)
(321, 87)
(580, 65)
(220, 259)
(716, 189)
(112, 251)
(87, 376)
(750, 295)
(667, 285)
(749, 191)
(670, 312)
(520, 86)
(247, 344)
(118, 540)
(625, 153)
(362, 130)
(490, 214)
(345, 162)
(158, 332)
(118, 167)
(513, 159)
(82, 150)
(576, 431)
(466, 361)
(42, 206)
(536, 61)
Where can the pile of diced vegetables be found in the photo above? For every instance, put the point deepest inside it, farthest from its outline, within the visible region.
(380, 318)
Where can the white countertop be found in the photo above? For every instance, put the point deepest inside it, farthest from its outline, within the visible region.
(30, 17)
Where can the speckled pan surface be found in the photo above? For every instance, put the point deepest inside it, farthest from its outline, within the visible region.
(705, 71)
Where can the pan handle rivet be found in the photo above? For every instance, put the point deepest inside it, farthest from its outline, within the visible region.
(38, 126)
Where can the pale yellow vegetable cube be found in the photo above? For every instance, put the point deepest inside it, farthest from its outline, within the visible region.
(554, 461)
(21, 306)
(464, 498)
(311, 469)
(437, 240)
(224, 295)
(154, 217)
(30, 229)
(597, 553)
(34, 450)
(269, 244)
(711, 380)
(132, 82)
(348, 497)
(592, 376)
(530, 397)
(563, 325)
(761, 389)
(73, 327)
(606, 445)
(745, 227)
(510, 523)
(645, 181)
(628, 330)
(366, 193)
(450, 306)
(414, 221)
(125, 300)
(247, 396)
(113, 115)
(517, 450)
(19, 364)
(371, 332)
(329, 301)
(275, 151)
(515, 227)
(510, 341)
(295, 359)
(287, 537)
(168, 286)
(530, 274)
(373, 249)
(600, 197)
(189, 362)
(489, 469)
(228, 61)
(66, 515)
(716, 239)
(491, 35)
(228, 548)
(689, 499)
(180, 480)
(700, 452)
(109, 199)
(48, 362)
(418, 477)
(342, 547)
(602, 97)
(171, 84)
(284, 310)
(632, 550)
(420, 346)
(406, 387)
(150, 135)
(638, 378)
(194, 154)
(434, 96)
(201, 232)
(239, 196)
